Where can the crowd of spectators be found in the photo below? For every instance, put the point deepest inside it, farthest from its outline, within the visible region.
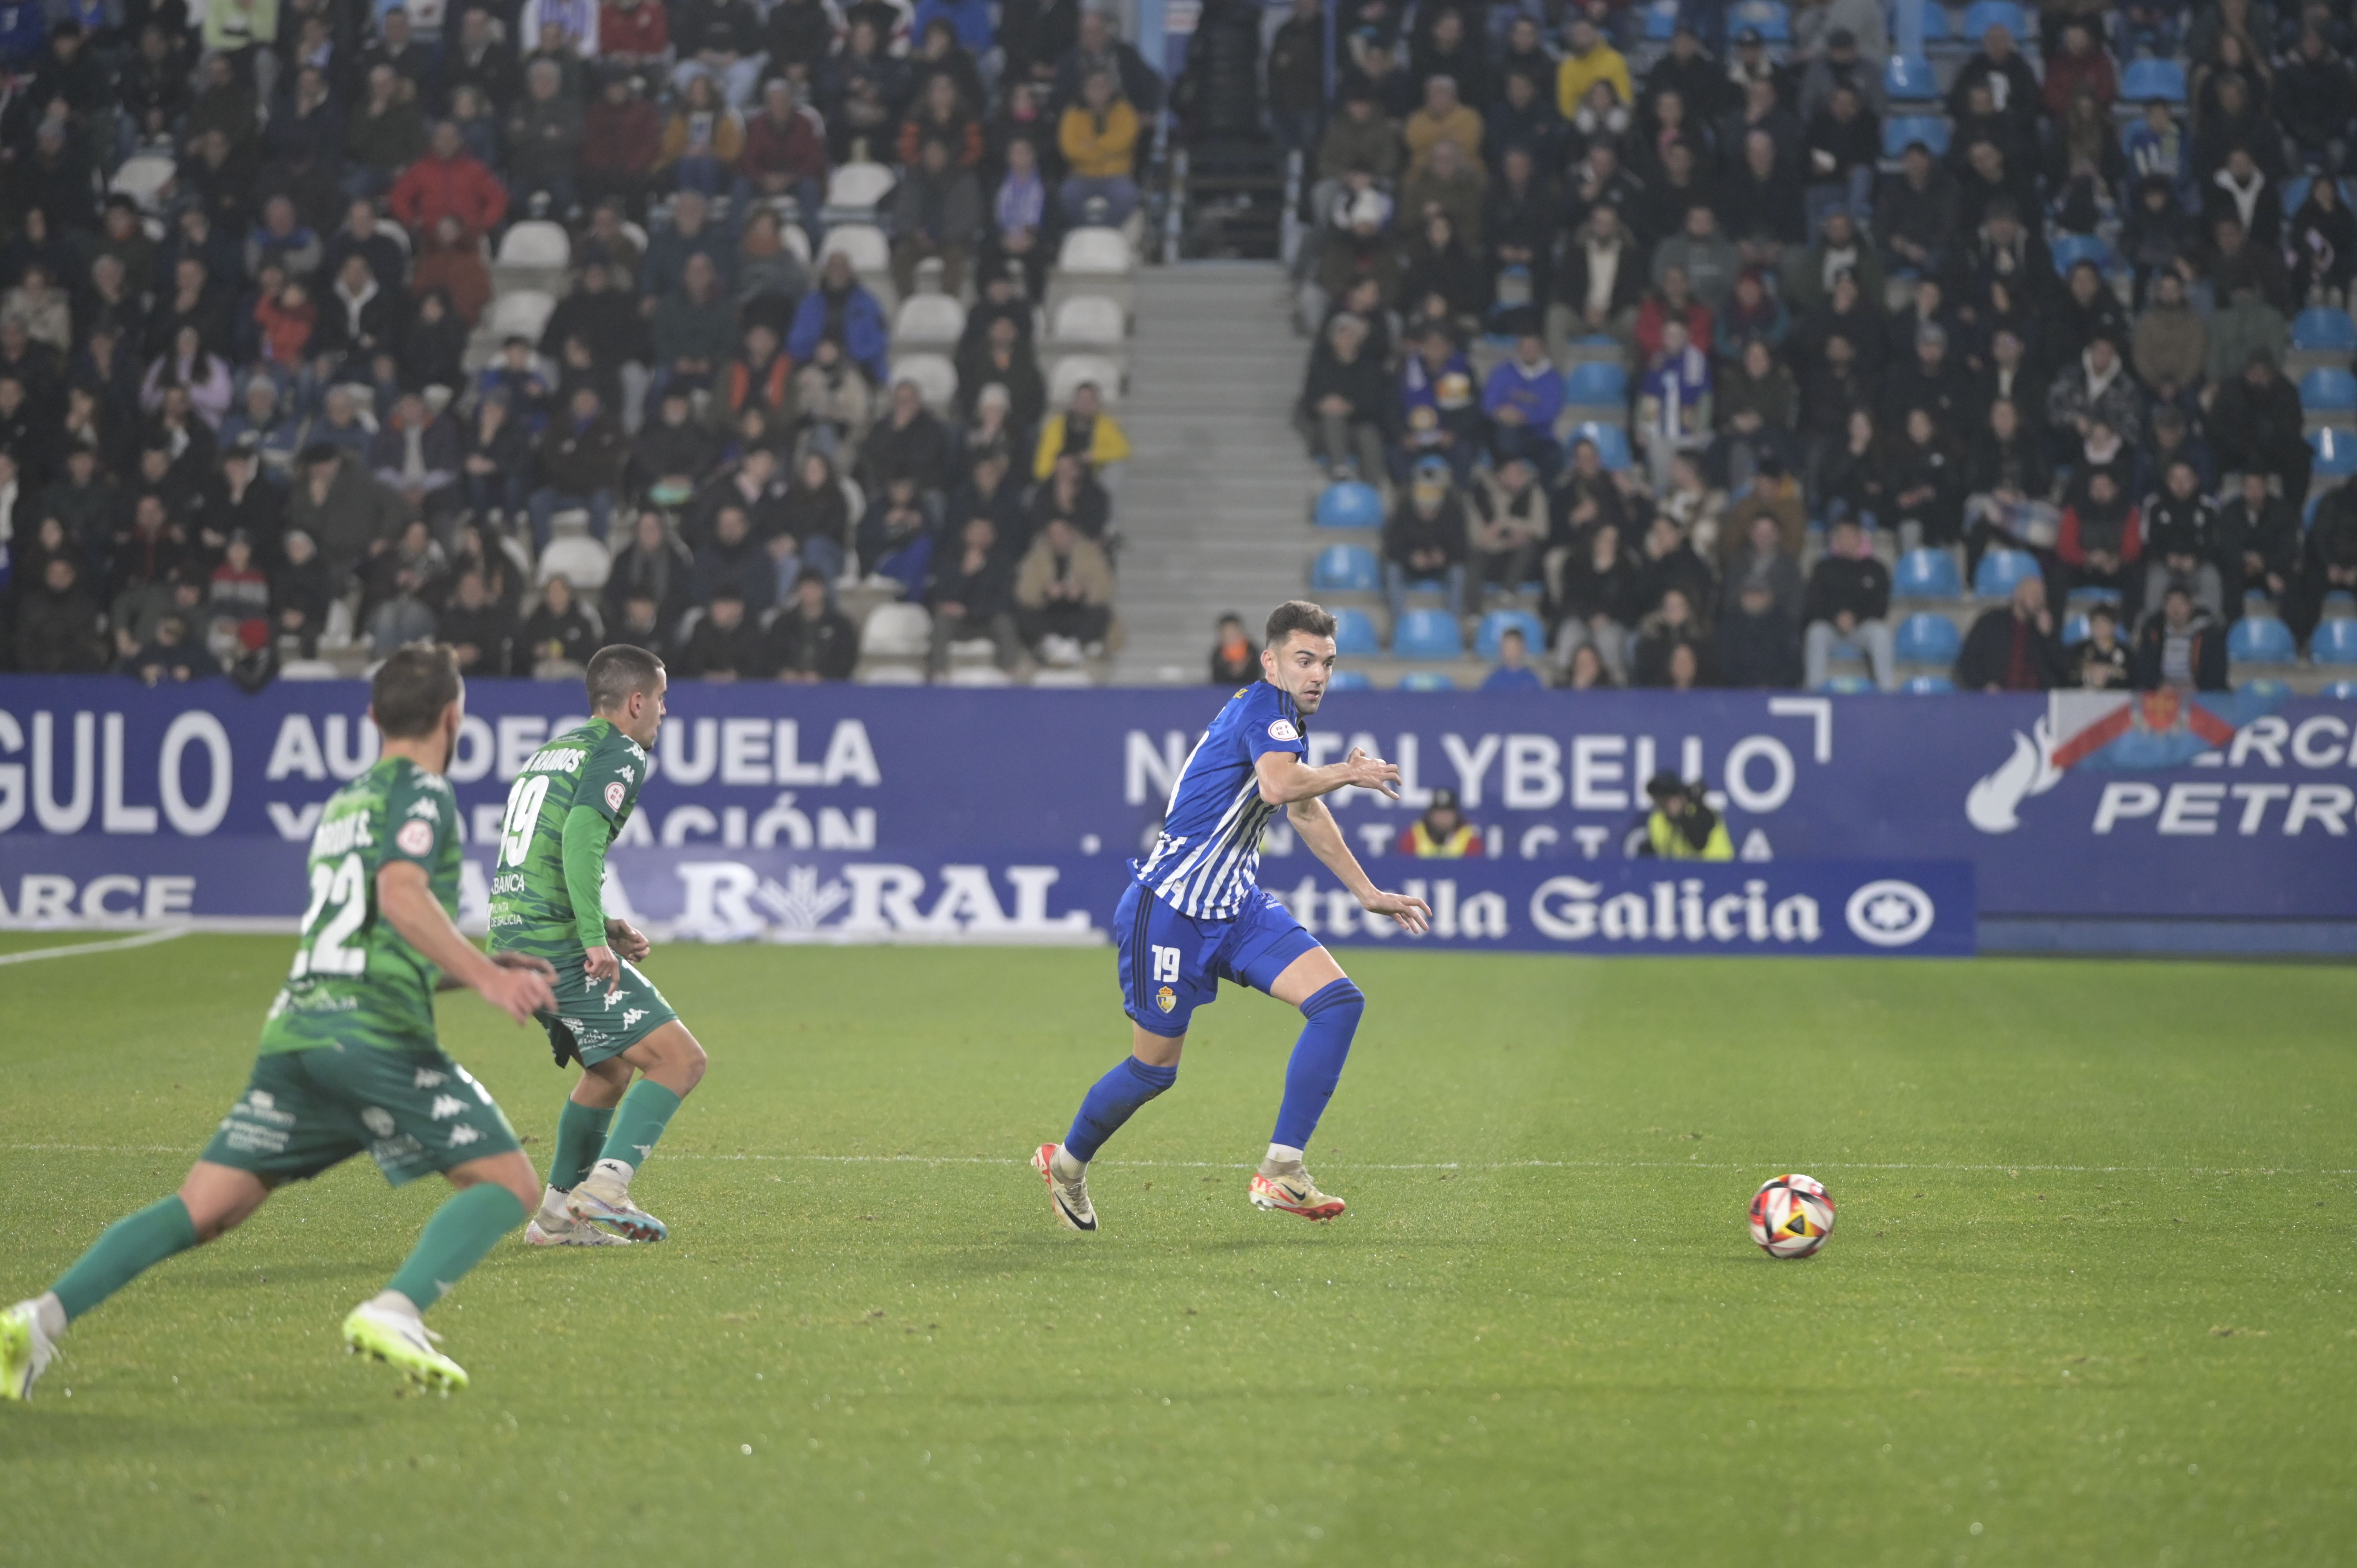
(254, 406)
(1837, 349)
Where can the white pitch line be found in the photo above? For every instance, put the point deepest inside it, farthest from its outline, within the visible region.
(118, 944)
(1353, 1164)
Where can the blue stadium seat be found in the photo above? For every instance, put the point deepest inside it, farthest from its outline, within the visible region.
(1773, 18)
(1347, 568)
(2341, 691)
(1660, 21)
(2320, 329)
(2327, 390)
(1351, 681)
(2074, 630)
(2001, 570)
(2295, 193)
(1927, 639)
(1596, 381)
(2267, 687)
(2336, 453)
(1354, 634)
(1909, 79)
(1426, 681)
(1937, 28)
(2146, 80)
(1497, 623)
(1929, 686)
(1350, 504)
(1927, 574)
(2261, 639)
(1847, 686)
(2338, 603)
(2335, 641)
(1932, 130)
(2070, 250)
(1982, 14)
(1427, 634)
(1611, 442)
(2088, 598)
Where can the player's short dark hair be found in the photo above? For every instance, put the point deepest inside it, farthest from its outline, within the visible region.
(616, 671)
(1298, 615)
(412, 687)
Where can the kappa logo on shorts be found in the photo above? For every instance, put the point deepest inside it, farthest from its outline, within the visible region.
(1282, 729)
(1166, 999)
(414, 838)
(616, 794)
(446, 1106)
(632, 1017)
(378, 1121)
(429, 1077)
(615, 999)
(462, 1135)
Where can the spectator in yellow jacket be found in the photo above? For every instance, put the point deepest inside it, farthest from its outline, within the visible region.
(1443, 118)
(704, 141)
(1589, 61)
(1098, 137)
(1085, 429)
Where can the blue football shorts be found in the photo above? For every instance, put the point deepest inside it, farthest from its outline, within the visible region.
(1172, 964)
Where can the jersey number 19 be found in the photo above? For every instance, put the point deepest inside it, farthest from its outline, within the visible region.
(523, 811)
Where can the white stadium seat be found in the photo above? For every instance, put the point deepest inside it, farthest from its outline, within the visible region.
(896, 631)
(524, 314)
(857, 187)
(579, 560)
(935, 377)
(1095, 250)
(1089, 318)
(535, 244)
(143, 178)
(929, 318)
(862, 242)
(1073, 369)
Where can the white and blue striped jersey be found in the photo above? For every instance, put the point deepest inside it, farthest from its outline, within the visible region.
(1207, 863)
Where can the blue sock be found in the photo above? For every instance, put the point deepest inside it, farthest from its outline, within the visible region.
(1317, 1057)
(1111, 1100)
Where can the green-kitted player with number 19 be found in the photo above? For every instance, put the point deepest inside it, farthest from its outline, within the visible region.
(548, 902)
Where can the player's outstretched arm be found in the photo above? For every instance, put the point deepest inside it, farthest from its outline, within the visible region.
(1323, 835)
(515, 983)
(1287, 780)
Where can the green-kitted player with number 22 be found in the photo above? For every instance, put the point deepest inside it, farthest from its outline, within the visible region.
(548, 902)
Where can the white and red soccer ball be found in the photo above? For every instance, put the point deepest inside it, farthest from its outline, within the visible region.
(1792, 1215)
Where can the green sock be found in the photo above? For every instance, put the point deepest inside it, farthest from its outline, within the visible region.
(128, 1247)
(646, 1110)
(580, 1133)
(468, 1225)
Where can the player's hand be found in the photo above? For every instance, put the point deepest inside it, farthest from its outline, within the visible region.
(519, 986)
(1372, 773)
(600, 964)
(1413, 913)
(628, 940)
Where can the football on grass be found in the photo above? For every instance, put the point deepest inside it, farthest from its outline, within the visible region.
(1791, 1216)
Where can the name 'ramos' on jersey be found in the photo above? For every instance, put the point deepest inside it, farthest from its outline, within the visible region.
(1207, 862)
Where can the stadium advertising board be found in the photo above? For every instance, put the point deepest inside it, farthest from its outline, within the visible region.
(120, 803)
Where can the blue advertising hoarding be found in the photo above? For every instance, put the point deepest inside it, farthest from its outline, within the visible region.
(120, 803)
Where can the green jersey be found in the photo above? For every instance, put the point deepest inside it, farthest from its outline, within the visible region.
(355, 980)
(566, 806)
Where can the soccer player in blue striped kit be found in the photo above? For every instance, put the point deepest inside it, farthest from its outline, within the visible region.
(1194, 914)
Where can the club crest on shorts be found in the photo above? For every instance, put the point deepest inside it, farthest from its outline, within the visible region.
(1166, 999)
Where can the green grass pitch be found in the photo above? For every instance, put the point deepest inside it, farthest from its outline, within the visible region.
(2088, 1300)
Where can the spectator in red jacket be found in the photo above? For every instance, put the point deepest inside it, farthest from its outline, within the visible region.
(785, 152)
(448, 181)
(632, 32)
(621, 141)
(2102, 539)
(2080, 61)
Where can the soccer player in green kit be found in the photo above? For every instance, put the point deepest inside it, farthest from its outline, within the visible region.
(350, 1062)
(566, 807)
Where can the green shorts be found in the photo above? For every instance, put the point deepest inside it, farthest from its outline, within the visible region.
(594, 1024)
(413, 1112)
